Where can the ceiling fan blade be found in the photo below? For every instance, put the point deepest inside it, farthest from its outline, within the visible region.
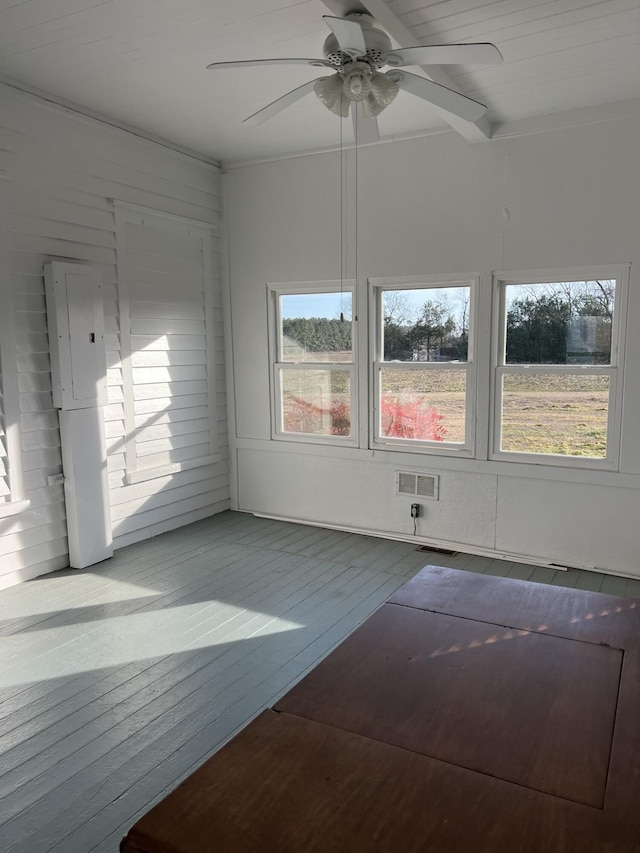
(445, 54)
(349, 35)
(245, 63)
(447, 99)
(365, 130)
(281, 103)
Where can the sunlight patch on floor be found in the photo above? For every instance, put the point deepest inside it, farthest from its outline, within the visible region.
(79, 586)
(71, 649)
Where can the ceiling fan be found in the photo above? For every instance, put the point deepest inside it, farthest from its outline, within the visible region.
(356, 50)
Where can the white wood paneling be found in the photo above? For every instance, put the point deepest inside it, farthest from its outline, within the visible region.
(112, 58)
(604, 520)
(167, 340)
(65, 171)
(564, 53)
(11, 472)
(464, 514)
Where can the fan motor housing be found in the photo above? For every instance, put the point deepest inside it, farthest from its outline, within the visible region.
(378, 45)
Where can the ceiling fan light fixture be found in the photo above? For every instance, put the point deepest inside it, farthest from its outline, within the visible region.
(357, 81)
(330, 90)
(383, 91)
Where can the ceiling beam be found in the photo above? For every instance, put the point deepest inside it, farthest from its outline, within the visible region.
(478, 131)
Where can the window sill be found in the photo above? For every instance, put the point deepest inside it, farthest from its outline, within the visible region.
(550, 460)
(419, 448)
(318, 440)
(13, 508)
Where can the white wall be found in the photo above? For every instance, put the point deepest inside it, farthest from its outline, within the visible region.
(64, 172)
(431, 206)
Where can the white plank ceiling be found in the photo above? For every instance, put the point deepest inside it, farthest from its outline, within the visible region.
(141, 63)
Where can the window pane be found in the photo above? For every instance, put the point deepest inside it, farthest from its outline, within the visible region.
(566, 322)
(426, 324)
(316, 327)
(316, 402)
(425, 405)
(550, 413)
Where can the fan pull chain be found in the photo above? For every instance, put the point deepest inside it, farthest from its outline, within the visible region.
(355, 239)
(341, 225)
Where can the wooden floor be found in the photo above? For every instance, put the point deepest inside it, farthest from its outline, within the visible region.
(118, 681)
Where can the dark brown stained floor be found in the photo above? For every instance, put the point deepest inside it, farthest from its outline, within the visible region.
(291, 785)
(366, 754)
(524, 707)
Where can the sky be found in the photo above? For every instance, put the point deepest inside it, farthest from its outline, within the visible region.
(331, 304)
(316, 305)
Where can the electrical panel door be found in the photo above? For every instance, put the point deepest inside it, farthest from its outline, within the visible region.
(76, 335)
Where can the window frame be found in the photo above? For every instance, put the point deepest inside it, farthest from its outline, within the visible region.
(427, 282)
(615, 370)
(278, 365)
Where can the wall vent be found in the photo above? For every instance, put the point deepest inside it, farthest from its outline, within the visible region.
(417, 485)
(432, 549)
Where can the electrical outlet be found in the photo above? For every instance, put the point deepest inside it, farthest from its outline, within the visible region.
(415, 510)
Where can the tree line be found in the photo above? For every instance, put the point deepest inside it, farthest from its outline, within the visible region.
(552, 329)
(547, 325)
(318, 334)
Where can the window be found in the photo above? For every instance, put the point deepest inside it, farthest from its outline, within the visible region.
(423, 381)
(313, 362)
(557, 382)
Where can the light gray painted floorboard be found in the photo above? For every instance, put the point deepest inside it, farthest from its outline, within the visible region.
(126, 676)
(234, 681)
(51, 726)
(54, 744)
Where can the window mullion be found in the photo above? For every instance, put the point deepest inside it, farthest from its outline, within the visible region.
(560, 369)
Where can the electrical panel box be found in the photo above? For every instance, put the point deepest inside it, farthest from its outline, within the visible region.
(75, 317)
